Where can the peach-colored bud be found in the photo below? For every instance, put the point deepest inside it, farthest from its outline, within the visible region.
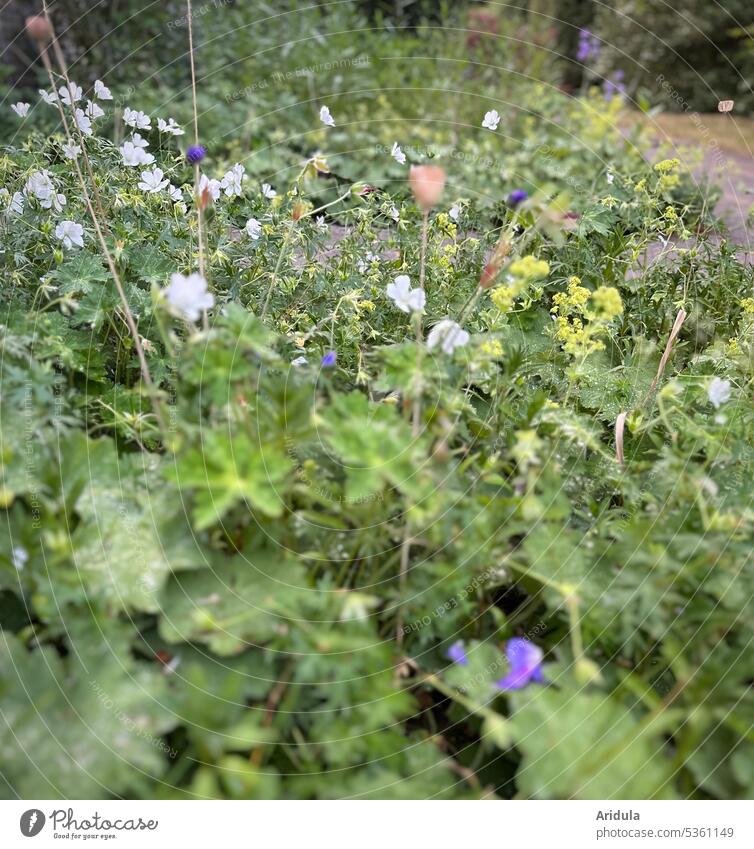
(427, 183)
(725, 106)
(492, 269)
(299, 208)
(38, 28)
(205, 198)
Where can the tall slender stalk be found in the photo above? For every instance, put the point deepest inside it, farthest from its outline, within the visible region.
(98, 227)
(197, 174)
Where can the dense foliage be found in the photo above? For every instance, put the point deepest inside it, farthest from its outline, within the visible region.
(293, 567)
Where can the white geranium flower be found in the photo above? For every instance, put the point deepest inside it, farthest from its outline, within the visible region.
(101, 91)
(175, 193)
(448, 335)
(398, 155)
(15, 203)
(206, 184)
(394, 214)
(491, 119)
(268, 191)
(363, 264)
(188, 295)
(454, 212)
(41, 186)
(93, 111)
(253, 228)
(610, 178)
(326, 117)
(48, 97)
(83, 122)
(152, 181)
(20, 557)
(169, 126)
(137, 139)
(71, 150)
(404, 297)
(133, 155)
(718, 392)
(70, 95)
(231, 181)
(299, 361)
(21, 109)
(70, 233)
(137, 120)
(321, 223)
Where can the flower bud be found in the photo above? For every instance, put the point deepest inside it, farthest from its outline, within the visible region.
(725, 106)
(427, 183)
(38, 29)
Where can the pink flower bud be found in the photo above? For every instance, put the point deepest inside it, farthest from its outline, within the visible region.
(427, 183)
(38, 28)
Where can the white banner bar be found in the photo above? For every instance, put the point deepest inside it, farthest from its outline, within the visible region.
(378, 825)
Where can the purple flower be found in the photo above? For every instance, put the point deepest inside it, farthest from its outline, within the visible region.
(526, 664)
(614, 85)
(589, 46)
(196, 153)
(329, 359)
(457, 654)
(517, 196)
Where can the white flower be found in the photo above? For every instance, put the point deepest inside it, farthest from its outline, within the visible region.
(101, 91)
(21, 109)
(231, 181)
(448, 335)
(610, 178)
(299, 361)
(41, 186)
(82, 122)
(48, 97)
(326, 117)
(398, 155)
(404, 297)
(321, 223)
(254, 228)
(718, 392)
(206, 184)
(70, 233)
(15, 203)
(169, 126)
(71, 95)
(93, 110)
(135, 119)
(363, 264)
(394, 214)
(152, 181)
(175, 193)
(71, 150)
(134, 155)
(491, 119)
(454, 212)
(137, 139)
(188, 295)
(20, 557)
(268, 191)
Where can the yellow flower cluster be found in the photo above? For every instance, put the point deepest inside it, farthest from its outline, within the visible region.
(583, 316)
(667, 165)
(529, 268)
(521, 272)
(747, 305)
(607, 302)
(492, 349)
